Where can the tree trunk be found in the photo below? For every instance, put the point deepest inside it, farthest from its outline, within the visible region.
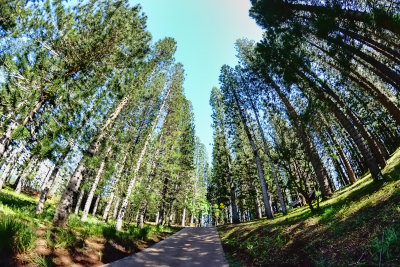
(121, 213)
(260, 169)
(268, 152)
(346, 123)
(184, 217)
(116, 206)
(6, 139)
(96, 204)
(13, 160)
(171, 215)
(309, 147)
(79, 202)
(343, 157)
(108, 206)
(92, 190)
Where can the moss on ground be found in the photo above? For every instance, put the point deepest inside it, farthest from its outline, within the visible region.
(360, 225)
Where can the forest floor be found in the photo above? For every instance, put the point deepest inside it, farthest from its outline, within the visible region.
(360, 225)
(27, 239)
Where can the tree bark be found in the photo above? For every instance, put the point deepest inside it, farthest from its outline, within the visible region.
(343, 157)
(347, 124)
(6, 139)
(116, 206)
(122, 211)
(268, 152)
(13, 159)
(79, 202)
(309, 147)
(260, 169)
(184, 215)
(89, 199)
(96, 204)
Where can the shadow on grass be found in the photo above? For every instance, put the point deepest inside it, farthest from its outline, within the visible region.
(348, 229)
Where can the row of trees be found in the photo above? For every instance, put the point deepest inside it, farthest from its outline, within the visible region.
(83, 88)
(309, 108)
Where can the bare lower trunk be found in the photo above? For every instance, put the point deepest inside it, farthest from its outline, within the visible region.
(184, 217)
(65, 205)
(45, 191)
(345, 160)
(268, 152)
(96, 204)
(108, 206)
(13, 160)
(260, 169)
(257, 205)
(18, 188)
(171, 215)
(121, 213)
(116, 206)
(92, 191)
(78, 204)
(309, 147)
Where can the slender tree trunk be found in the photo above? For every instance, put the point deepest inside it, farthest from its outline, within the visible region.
(345, 160)
(108, 206)
(116, 206)
(268, 152)
(257, 205)
(79, 202)
(96, 204)
(191, 218)
(13, 160)
(171, 215)
(309, 147)
(260, 169)
(184, 215)
(93, 189)
(6, 138)
(121, 213)
(346, 123)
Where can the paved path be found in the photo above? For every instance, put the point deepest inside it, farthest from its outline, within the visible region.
(189, 247)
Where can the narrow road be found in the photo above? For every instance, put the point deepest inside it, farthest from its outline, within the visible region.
(188, 247)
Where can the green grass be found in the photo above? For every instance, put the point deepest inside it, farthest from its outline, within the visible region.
(359, 225)
(19, 225)
(16, 236)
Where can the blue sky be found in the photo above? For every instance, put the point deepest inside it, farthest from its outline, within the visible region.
(206, 31)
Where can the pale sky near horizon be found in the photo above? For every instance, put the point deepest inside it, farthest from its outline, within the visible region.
(205, 31)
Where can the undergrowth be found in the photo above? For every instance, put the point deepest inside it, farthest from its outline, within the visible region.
(360, 225)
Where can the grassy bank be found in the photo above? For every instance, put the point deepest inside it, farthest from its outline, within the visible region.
(30, 239)
(360, 225)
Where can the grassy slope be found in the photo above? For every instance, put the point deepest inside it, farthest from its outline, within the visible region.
(29, 239)
(359, 225)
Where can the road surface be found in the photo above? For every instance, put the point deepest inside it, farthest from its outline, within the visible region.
(188, 247)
